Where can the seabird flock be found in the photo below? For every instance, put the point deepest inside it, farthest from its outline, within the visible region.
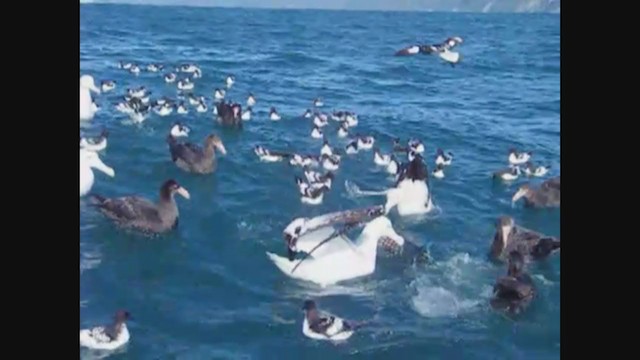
(317, 249)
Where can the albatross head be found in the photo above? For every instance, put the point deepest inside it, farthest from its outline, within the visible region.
(171, 187)
(293, 231)
(87, 82)
(215, 141)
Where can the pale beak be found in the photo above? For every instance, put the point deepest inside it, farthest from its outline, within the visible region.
(183, 192)
(222, 149)
(98, 164)
(505, 234)
(518, 195)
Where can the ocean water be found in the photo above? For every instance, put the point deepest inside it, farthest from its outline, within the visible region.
(208, 290)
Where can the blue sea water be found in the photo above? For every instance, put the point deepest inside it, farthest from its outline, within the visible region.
(207, 290)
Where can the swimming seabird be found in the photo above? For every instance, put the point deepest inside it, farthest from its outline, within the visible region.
(269, 156)
(381, 159)
(170, 78)
(313, 195)
(108, 337)
(96, 144)
(513, 292)
(508, 174)
(193, 158)
(316, 133)
(518, 158)
(251, 100)
(230, 80)
(509, 237)
(273, 114)
(164, 110)
(318, 102)
(189, 68)
(393, 167)
(202, 107)
(303, 160)
(314, 177)
(246, 115)
(91, 160)
(327, 150)
(320, 325)
(411, 194)
(343, 131)
(335, 258)
(320, 120)
(307, 114)
(138, 213)
(124, 65)
(546, 195)
(442, 158)
(229, 114)
(182, 108)
(134, 69)
(137, 92)
(154, 67)
(179, 130)
(438, 172)
(537, 171)
(219, 94)
(107, 85)
(186, 84)
(352, 147)
(330, 162)
(87, 85)
(365, 142)
(415, 49)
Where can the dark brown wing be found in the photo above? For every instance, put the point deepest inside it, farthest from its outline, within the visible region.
(187, 152)
(553, 183)
(131, 208)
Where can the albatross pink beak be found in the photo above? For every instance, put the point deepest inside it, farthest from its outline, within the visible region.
(518, 195)
(184, 193)
(222, 149)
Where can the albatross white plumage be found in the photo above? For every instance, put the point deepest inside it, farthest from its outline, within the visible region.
(87, 84)
(339, 259)
(91, 160)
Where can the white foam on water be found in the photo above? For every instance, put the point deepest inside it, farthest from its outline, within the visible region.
(452, 288)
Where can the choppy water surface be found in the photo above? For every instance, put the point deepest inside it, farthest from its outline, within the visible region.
(208, 290)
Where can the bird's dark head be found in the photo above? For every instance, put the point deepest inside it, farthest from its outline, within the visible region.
(171, 187)
(309, 305)
(214, 140)
(122, 316)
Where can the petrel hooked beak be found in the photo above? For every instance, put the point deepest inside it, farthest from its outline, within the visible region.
(183, 192)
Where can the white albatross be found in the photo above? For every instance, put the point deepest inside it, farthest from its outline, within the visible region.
(338, 259)
(87, 84)
(89, 160)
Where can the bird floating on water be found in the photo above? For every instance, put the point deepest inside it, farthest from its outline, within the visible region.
(108, 337)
